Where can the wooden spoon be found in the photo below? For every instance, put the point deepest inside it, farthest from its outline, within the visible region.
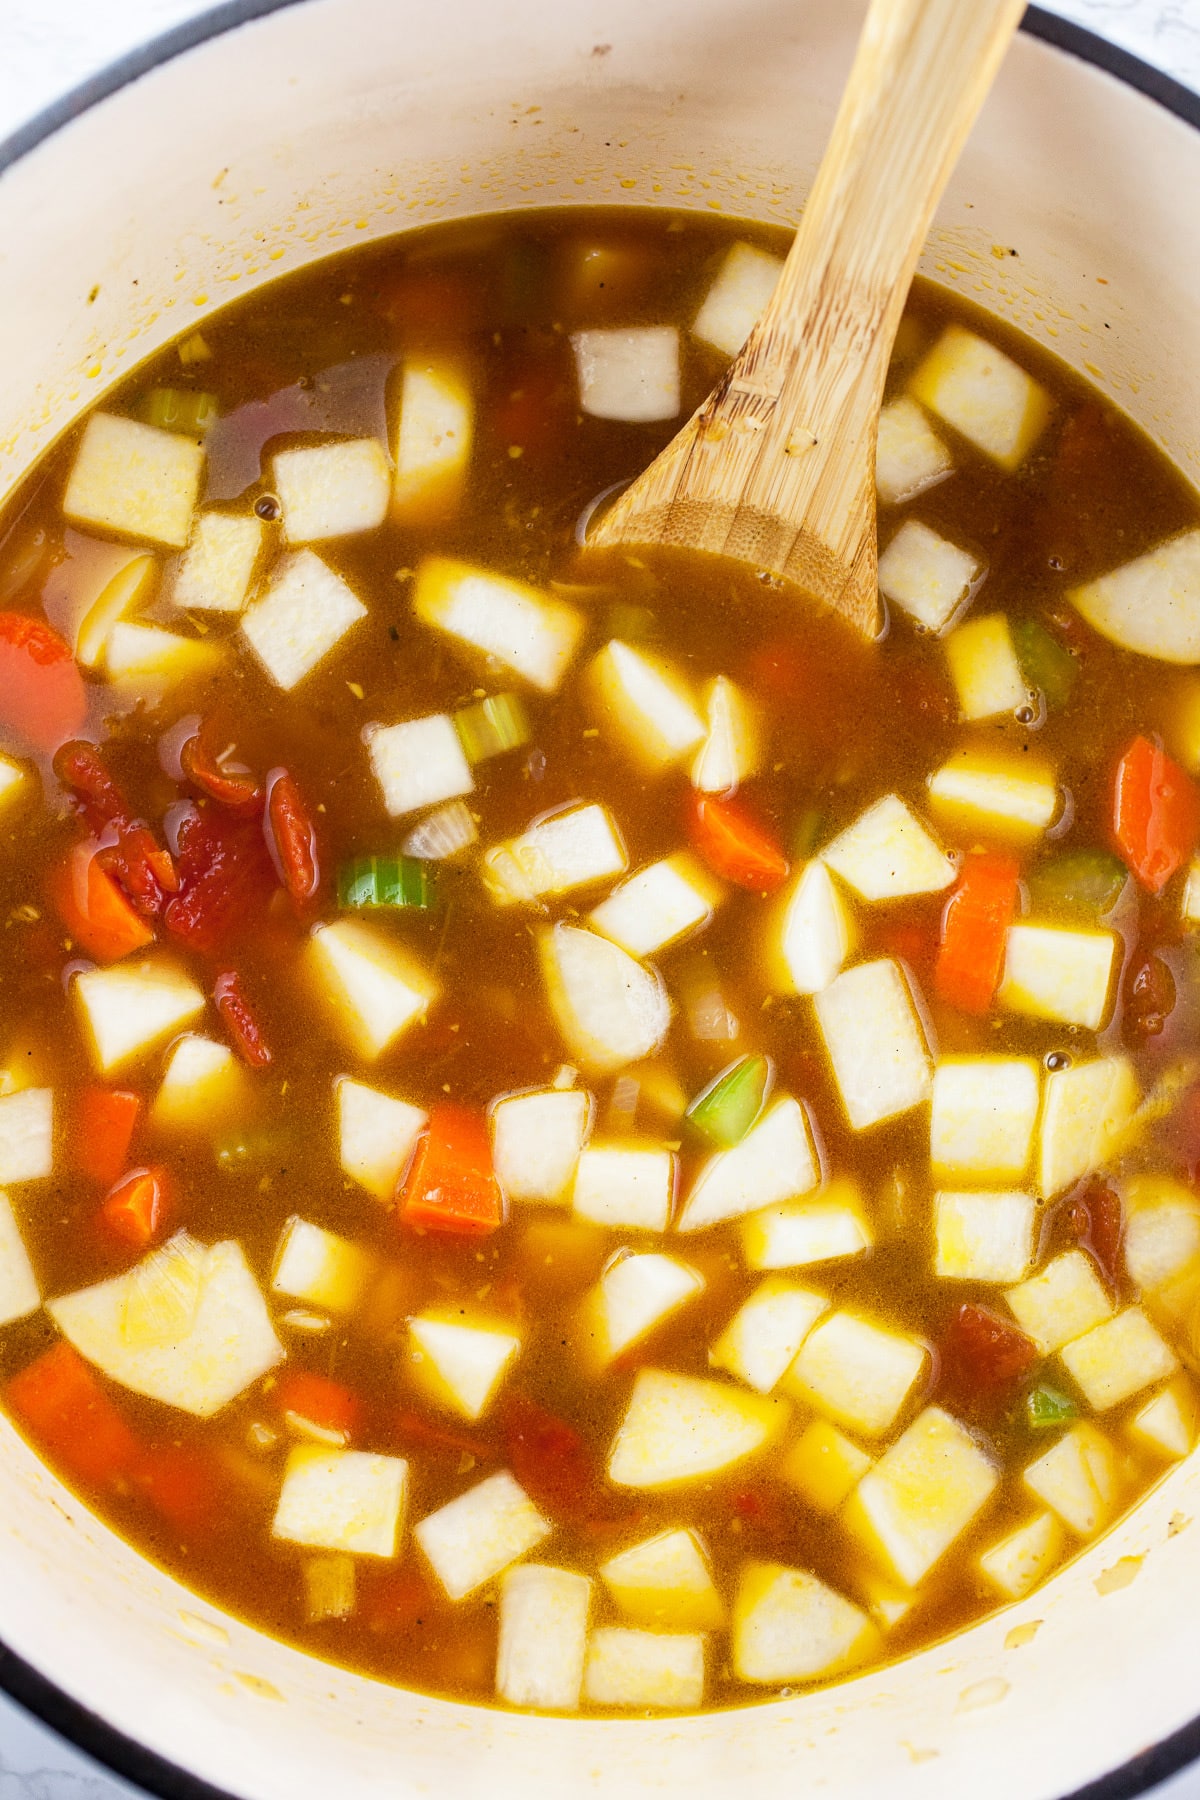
(777, 467)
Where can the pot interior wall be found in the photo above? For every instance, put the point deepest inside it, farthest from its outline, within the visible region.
(335, 121)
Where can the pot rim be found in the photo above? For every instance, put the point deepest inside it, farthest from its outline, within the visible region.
(76, 1723)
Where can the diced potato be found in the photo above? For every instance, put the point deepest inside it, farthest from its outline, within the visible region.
(984, 668)
(657, 906)
(665, 1582)
(983, 1237)
(1054, 972)
(476, 1536)
(789, 1626)
(418, 763)
(20, 1294)
(434, 437)
(458, 1363)
(983, 394)
(875, 1042)
(187, 1325)
(623, 1187)
(319, 1266)
(1189, 905)
(776, 1160)
(888, 1601)
(1023, 1557)
(811, 934)
(343, 1500)
(124, 592)
(731, 752)
(1086, 1108)
(376, 1136)
(202, 1086)
(536, 1141)
(610, 1009)
(134, 479)
(1061, 1302)
(909, 456)
(13, 778)
(1152, 604)
(644, 1669)
(566, 850)
(217, 567)
(645, 703)
(762, 1338)
(27, 1135)
(1077, 1478)
(543, 1637)
(630, 373)
(856, 1373)
(633, 1296)
(128, 1008)
(887, 854)
(679, 1429)
(800, 1233)
(506, 621)
(926, 576)
(823, 1465)
(1169, 1424)
(999, 797)
(733, 304)
(375, 988)
(148, 653)
(921, 1495)
(983, 1117)
(1118, 1359)
(305, 612)
(331, 490)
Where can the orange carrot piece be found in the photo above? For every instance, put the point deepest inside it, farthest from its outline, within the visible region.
(451, 1185)
(42, 696)
(93, 908)
(734, 844)
(136, 1210)
(1156, 813)
(975, 926)
(71, 1417)
(328, 1404)
(105, 1121)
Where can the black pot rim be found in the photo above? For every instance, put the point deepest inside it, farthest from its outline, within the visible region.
(129, 1760)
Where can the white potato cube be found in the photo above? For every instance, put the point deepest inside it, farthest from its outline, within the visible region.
(418, 763)
(811, 935)
(128, 1008)
(1168, 1425)
(1024, 1557)
(1061, 1302)
(984, 668)
(633, 1296)
(921, 1495)
(789, 1626)
(27, 1135)
(630, 374)
(823, 1465)
(665, 1582)
(134, 652)
(543, 1637)
(610, 1009)
(887, 854)
(20, 1294)
(567, 850)
(320, 1267)
(343, 1500)
(1152, 604)
(13, 778)
(737, 298)
(376, 1136)
(856, 1373)
(1086, 1108)
(678, 1429)
(875, 1042)
(475, 1537)
(1161, 1240)
(624, 1188)
(134, 479)
(1118, 1359)
(763, 1337)
(983, 1237)
(305, 612)
(217, 567)
(644, 1669)
(202, 1085)
(1189, 904)
(332, 490)
(983, 394)
(374, 987)
(434, 436)
(1077, 1478)
(926, 576)
(504, 620)
(662, 903)
(1003, 798)
(776, 1160)
(983, 1116)
(909, 455)
(646, 704)
(459, 1364)
(1054, 972)
(536, 1141)
(801, 1233)
(732, 751)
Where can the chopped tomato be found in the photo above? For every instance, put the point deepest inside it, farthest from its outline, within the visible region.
(913, 940)
(138, 1207)
(328, 1404)
(767, 1515)
(414, 1428)
(1156, 813)
(975, 924)
(42, 696)
(397, 1600)
(127, 849)
(94, 909)
(235, 788)
(1148, 997)
(292, 837)
(237, 1016)
(105, 1120)
(451, 1185)
(984, 1358)
(81, 768)
(183, 1486)
(551, 1460)
(528, 415)
(66, 1410)
(733, 843)
(1096, 1221)
(225, 878)
(430, 305)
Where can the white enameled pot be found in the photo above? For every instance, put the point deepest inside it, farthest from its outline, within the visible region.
(271, 134)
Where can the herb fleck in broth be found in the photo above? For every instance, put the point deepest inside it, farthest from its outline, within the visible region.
(623, 1213)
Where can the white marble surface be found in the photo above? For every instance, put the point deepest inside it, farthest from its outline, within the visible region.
(48, 47)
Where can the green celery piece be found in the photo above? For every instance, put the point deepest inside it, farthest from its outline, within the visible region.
(180, 409)
(808, 833)
(1045, 663)
(387, 881)
(728, 1107)
(1046, 1407)
(1084, 883)
(492, 726)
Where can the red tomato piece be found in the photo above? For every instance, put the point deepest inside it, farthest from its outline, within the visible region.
(128, 850)
(984, 1358)
(183, 1485)
(61, 1402)
(1097, 1222)
(396, 1601)
(975, 924)
(42, 696)
(1156, 813)
(733, 843)
(138, 1207)
(105, 1120)
(1148, 998)
(292, 837)
(551, 1460)
(328, 1404)
(451, 1185)
(94, 909)
(414, 1428)
(225, 879)
(239, 1020)
(235, 788)
(81, 768)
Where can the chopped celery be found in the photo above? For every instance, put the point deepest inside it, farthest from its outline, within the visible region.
(185, 410)
(728, 1107)
(1046, 1407)
(808, 834)
(1083, 883)
(632, 624)
(387, 881)
(492, 726)
(1045, 663)
(443, 832)
(329, 1587)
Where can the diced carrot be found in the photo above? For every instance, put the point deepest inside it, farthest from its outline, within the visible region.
(451, 1185)
(292, 837)
(93, 908)
(1156, 813)
(237, 1015)
(413, 1428)
(234, 788)
(72, 1418)
(975, 924)
(328, 1404)
(42, 696)
(182, 1484)
(105, 1120)
(983, 1359)
(429, 305)
(734, 844)
(138, 1207)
